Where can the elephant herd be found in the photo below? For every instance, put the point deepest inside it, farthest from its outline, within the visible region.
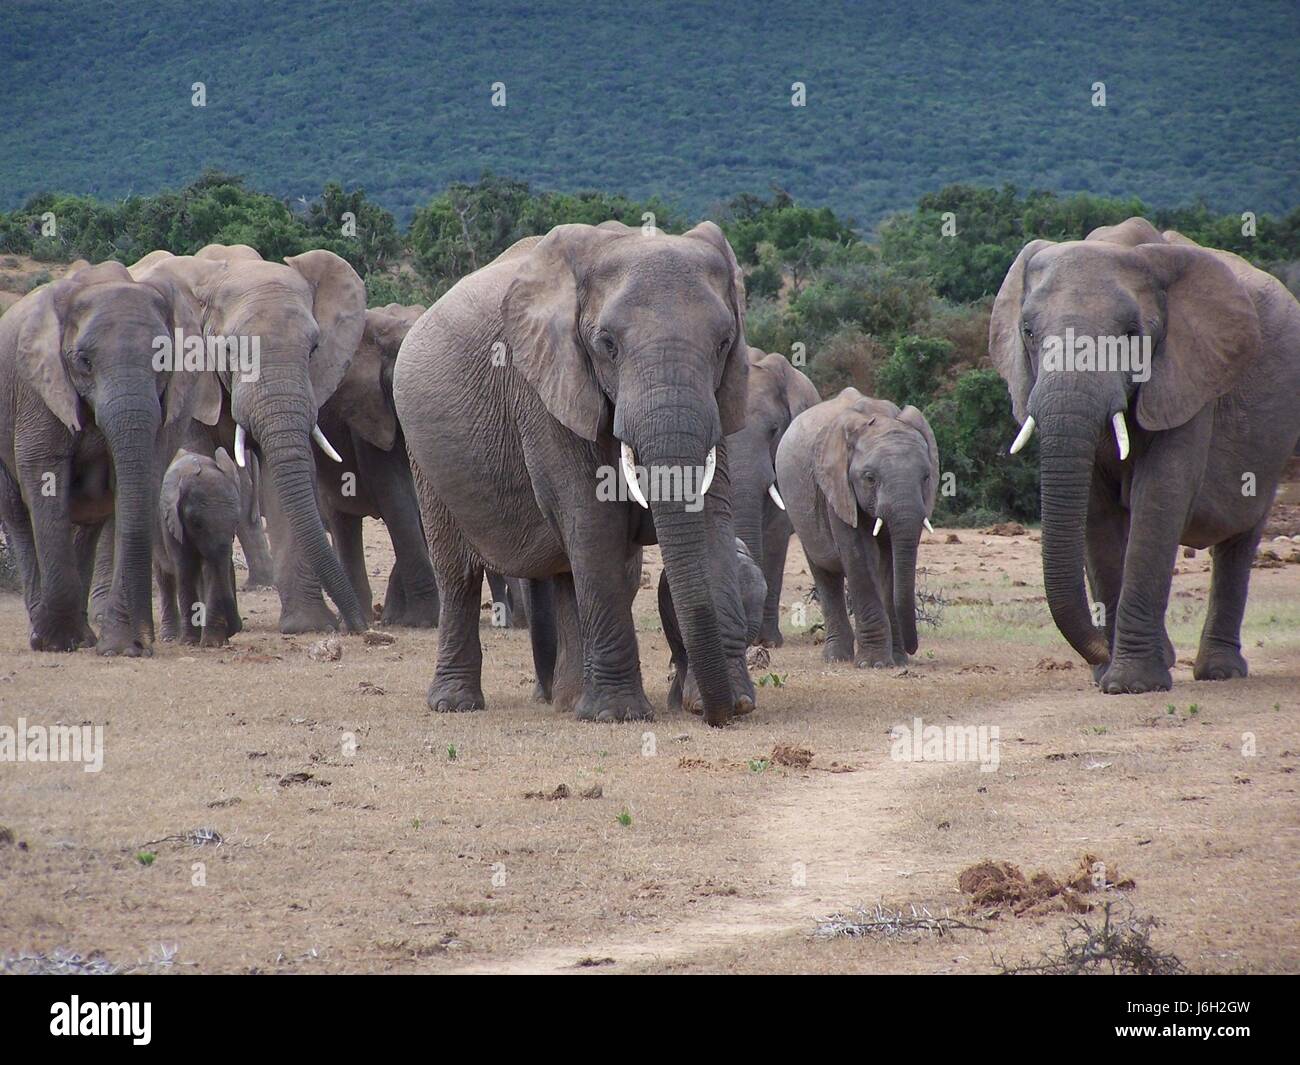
(589, 393)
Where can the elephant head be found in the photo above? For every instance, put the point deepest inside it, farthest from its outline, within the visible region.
(364, 398)
(636, 341)
(86, 345)
(1189, 329)
(777, 393)
(305, 318)
(879, 464)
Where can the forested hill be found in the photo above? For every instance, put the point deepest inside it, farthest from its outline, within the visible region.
(687, 102)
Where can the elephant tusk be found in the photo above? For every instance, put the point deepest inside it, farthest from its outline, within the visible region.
(241, 455)
(879, 523)
(710, 465)
(325, 445)
(628, 460)
(928, 527)
(1026, 431)
(776, 496)
(1121, 434)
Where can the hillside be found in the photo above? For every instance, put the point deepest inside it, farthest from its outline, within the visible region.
(687, 103)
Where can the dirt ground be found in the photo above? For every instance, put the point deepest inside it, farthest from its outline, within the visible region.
(360, 832)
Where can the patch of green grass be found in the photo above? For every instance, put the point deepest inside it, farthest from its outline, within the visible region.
(146, 857)
(624, 818)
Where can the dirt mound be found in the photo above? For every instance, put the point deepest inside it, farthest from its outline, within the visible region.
(795, 757)
(1005, 528)
(1002, 886)
(1283, 520)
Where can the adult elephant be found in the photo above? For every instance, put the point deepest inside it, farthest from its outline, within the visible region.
(778, 393)
(82, 411)
(523, 391)
(307, 316)
(1201, 432)
(373, 479)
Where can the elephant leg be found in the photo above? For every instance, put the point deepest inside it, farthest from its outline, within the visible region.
(101, 581)
(58, 618)
(676, 646)
(85, 541)
(1106, 541)
(171, 618)
(190, 599)
(569, 671)
(518, 602)
(1219, 656)
(221, 617)
(612, 688)
(830, 595)
(776, 545)
(860, 554)
(346, 531)
(257, 553)
(394, 598)
(387, 475)
(18, 532)
(887, 600)
(502, 612)
(540, 597)
(302, 604)
(1160, 500)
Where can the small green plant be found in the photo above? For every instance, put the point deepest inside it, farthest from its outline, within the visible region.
(1193, 710)
(624, 818)
(1098, 730)
(415, 822)
(146, 857)
(757, 765)
(775, 680)
(1170, 708)
(451, 752)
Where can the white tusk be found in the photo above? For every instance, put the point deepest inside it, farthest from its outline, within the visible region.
(928, 527)
(1026, 431)
(241, 458)
(628, 459)
(876, 530)
(325, 445)
(776, 496)
(1121, 434)
(710, 465)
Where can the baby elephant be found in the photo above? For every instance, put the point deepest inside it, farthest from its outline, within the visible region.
(753, 595)
(859, 479)
(199, 512)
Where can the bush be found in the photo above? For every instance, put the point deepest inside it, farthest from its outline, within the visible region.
(913, 371)
(849, 357)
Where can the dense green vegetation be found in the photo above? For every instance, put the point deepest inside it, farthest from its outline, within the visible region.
(680, 101)
(902, 314)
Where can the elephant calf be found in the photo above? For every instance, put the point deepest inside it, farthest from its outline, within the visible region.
(845, 466)
(199, 509)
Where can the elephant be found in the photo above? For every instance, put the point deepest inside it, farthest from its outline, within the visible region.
(753, 596)
(306, 317)
(527, 395)
(198, 509)
(82, 413)
(847, 464)
(509, 601)
(1195, 369)
(778, 393)
(373, 478)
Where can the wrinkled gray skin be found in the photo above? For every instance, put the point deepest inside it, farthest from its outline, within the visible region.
(778, 393)
(1221, 403)
(250, 531)
(753, 595)
(374, 479)
(514, 391)
(198, 511)
(309, 314)
(81, 402)
(842, 465)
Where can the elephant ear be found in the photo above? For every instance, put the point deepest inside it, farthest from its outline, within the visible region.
(188, 394)
(733, 388)
(169, 497)
(540, 319)
(339, 307)
(40, 350)
(227, 466)
(1211, 334)
(1006, 343)
(361, 399)
(831, 469)
(913, 417)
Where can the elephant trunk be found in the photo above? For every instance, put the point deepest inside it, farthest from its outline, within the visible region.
(131, 429)
(281, 422)
(1067, 449)
(904, 535)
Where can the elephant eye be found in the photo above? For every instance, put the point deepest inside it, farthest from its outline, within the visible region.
(608, 345)
(1029, 333)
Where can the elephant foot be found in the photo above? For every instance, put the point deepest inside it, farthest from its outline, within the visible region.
(837, 649)
(1219, 663)
(614, 706)
(214, 637)
(874, 658)
(1129, 677)
(770, 636)
(743, 698)
(315, 617)
(121, 640)
(59, 636)
(901, 658)
(451, 696)
(191, 637)
(413, 616)
(541, 693)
